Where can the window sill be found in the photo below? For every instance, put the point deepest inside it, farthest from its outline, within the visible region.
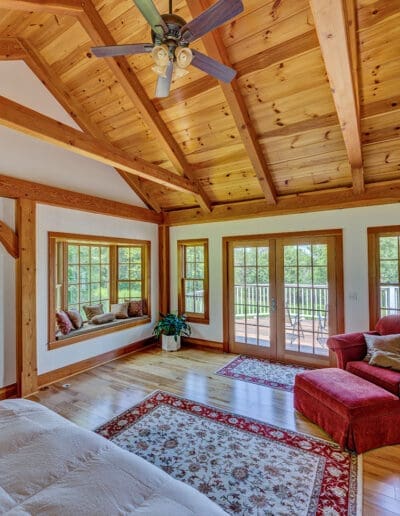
(197, 320)
(91, 330)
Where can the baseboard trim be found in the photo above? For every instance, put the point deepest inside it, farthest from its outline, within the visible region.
(8, 391)
(202, 343)
(90, 363)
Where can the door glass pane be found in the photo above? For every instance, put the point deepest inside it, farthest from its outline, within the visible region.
(389, 274)
(306, 298)
(251, 295)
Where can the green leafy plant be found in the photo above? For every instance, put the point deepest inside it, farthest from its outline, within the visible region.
(172, 324)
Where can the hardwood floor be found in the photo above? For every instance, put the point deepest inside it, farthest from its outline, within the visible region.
(93, 397)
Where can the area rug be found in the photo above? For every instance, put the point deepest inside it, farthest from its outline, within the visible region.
(247, 467)
(263, 372)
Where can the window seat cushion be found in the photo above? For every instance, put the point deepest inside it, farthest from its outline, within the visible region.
(88, 327)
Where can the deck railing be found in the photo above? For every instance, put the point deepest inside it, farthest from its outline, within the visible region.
(390, 299)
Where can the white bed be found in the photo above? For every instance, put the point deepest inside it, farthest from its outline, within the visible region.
(50, 466)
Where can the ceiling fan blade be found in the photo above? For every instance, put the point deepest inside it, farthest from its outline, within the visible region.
(152, 16)
(212, 67)
(122, 50)
(164, 83)
(213, 17)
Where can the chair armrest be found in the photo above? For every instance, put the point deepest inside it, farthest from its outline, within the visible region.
(348, 347)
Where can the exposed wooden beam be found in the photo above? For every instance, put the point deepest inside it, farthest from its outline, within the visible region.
(40, 68)
(331, 24)
(99, 33)
(71, 7)
(135, 183)
(26, 299)
(18, 188)
(215, 48)
(377, 193)
(10, 49)
(25, 120)
(9, 239)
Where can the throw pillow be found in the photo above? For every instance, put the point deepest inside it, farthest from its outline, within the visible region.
(135, 308)
(63, 322)
(92, 311)
(120, 310)
(103, 318)
(386, 359)
(75, 318)
(386, 343)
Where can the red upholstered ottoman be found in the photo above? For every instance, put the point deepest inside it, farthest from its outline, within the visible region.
(356, 413)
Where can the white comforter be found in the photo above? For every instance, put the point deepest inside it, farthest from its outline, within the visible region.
(50, 466)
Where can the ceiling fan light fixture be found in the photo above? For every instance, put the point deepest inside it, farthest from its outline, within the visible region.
(179, 72)
(160, 54)
(160, 70)
(183, 56)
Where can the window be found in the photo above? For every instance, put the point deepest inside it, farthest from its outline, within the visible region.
(384, 272)
(88, 271)
(193, 280)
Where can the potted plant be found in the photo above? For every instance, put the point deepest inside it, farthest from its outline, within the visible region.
(171, 327)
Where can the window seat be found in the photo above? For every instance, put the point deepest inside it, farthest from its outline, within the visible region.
(88, 328)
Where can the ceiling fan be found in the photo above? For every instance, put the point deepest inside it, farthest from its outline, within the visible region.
(171, 37)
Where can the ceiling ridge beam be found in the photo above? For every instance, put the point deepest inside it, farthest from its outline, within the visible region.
(385, 192)
(338, 49)
(14, 188)
(215, 48)
(30, 122)
(99, 33)
(53, 84)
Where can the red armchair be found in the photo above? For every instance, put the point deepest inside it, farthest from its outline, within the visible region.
(350, 349)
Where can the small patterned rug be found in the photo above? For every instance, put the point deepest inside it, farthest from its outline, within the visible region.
(263, 372)
(247, 467)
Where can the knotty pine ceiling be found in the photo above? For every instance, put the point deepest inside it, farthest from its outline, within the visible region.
(282, 79)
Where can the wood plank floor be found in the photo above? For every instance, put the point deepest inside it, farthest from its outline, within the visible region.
(95, 396)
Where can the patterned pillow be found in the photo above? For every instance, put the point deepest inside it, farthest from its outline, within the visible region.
(103, 318)
(75, 318)
(63, 322)
(385, 343)
(92, 311)
(135, 308)
(120, 310)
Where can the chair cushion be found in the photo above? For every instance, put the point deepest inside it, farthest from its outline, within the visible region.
(386, 378)
(388, 324)
(344, 393)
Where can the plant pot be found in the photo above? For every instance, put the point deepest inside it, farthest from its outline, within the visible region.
(169, 343)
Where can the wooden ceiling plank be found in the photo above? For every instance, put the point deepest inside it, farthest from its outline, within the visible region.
(69, 7)
(99, 33)
(14, 188)
(384, 192)
(40, 68)
(25, 120)
(215, 47)
(332, 29)
(10, 49)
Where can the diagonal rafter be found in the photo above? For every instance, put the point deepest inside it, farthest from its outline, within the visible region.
(215, 48)
(99, 33)
(337, 39)
(10, 49)
(30, 122)
(40, 68)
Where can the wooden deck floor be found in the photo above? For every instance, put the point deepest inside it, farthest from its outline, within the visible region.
(93, 397)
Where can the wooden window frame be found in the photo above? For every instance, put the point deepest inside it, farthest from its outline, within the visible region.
(374, 268)
(112, 243)
(193, 317)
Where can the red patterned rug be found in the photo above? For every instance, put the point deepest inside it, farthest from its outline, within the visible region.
(263, 372)
(245, 466)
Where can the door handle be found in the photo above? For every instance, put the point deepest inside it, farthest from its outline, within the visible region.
(273, 305)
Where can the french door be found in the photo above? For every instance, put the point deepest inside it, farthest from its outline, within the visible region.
(283, 296)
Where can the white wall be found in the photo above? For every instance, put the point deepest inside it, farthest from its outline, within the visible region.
(7, 302)
(70, 221)
(354, 223)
